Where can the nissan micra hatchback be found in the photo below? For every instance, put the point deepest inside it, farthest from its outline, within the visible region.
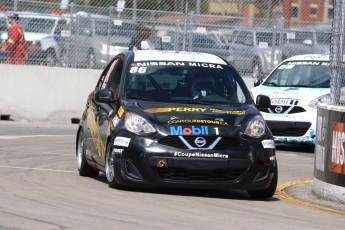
(176, 119)
(295, 88)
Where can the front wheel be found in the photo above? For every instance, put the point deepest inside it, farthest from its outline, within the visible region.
(110, 167)
(83, 167)
(268, 192)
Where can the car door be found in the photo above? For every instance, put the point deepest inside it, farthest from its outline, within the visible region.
(105, 112)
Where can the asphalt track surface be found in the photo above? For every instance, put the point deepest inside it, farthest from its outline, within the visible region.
(40, 189)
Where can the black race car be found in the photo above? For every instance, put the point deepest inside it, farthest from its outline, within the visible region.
(176, 119)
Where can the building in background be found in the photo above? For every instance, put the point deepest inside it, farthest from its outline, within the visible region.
(300, 13)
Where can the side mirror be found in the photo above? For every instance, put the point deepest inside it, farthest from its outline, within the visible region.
(257, 82)
(262, 102)
(104, 96)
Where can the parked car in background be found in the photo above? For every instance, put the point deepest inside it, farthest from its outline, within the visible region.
(42, 35)
(255, 51)
(198, 42)
(94, 39)
(307, 41)
(176, 120)
(295, 88)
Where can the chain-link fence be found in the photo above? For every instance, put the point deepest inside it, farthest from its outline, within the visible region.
(337, 54)
(255, 35)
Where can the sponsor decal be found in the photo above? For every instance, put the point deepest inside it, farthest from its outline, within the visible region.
(137, 66)
(232, 112)
(99, 145)
(268, 144)
(122, 141)
(200, 155)
(117, 151)
(193, 130)
(120, 111)
(175, 109)
(194, 109)
(209, 122)
(337, 160)
(281, 102)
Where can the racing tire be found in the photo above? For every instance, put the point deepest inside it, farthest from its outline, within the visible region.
(83, 167)
(110, 170)
(268, 192)
(256, 70)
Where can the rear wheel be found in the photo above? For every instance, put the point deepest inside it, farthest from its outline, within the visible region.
(110, 171)
(83, 167)
(268, 192)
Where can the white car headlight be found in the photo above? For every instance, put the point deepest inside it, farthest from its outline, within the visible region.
(137, 124)
(322, 99)
(256, 127)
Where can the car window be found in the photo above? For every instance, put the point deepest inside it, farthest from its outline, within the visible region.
(204, 41)
(301, 37)
(313, 74)
(187, 82)
(61, 25)
(245, 38)
(38, 25)
(323, 37)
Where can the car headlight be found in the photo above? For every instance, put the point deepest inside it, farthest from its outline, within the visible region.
(322, 99)
(137, 124)
(256, 127)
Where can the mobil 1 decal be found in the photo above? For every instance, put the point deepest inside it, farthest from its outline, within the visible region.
(193, 130)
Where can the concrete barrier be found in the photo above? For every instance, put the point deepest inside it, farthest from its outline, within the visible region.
(329, 163)
(37, 93)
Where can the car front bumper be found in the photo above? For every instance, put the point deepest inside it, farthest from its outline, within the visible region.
(149, 164)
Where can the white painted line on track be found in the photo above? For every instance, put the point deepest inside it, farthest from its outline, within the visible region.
(38, 169)
(32, 136)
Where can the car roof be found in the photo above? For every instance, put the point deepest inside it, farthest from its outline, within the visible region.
(167, 55)
(23, 14)
(310, 57)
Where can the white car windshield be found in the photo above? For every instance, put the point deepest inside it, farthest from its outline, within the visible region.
(311, 74)
(185, 82)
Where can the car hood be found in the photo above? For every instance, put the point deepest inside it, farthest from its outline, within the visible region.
(298, 93)
(185, 114)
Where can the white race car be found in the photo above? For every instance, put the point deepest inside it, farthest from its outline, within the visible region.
(295, 87)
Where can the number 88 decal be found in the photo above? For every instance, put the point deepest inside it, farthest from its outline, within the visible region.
(136, 69)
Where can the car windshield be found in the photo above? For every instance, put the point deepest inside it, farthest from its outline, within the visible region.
(38, 25)
(311, 74)
(185, 82)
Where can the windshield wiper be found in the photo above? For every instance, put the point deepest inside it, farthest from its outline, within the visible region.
(139, 98)
(194, 102)
(301, 86)
(271, 84)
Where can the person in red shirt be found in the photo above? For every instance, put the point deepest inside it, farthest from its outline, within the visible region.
(15, 43)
